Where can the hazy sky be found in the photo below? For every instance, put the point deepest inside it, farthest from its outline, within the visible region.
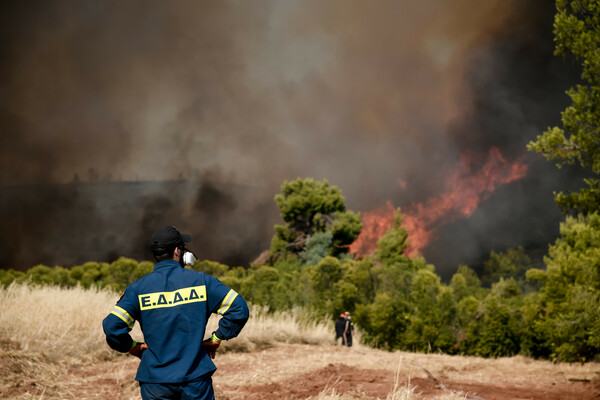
(379, 97)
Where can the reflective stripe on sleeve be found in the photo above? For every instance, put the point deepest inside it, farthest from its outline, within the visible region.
(124, 315)
(227, 302)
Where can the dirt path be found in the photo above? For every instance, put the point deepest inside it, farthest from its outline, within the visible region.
(374, 384)
(302, 371)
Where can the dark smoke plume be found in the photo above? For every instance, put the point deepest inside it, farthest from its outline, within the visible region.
(119, 117)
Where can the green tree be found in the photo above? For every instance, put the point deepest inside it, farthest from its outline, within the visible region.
(346, 296)
(577, 31)
(566, 307)
(499, 331)
(391, 246)
(323, 279)
(362, 275)
(466, 325)
(384, 320)
(432, 314)
(465, 282)
(513, 263)
(307, 207)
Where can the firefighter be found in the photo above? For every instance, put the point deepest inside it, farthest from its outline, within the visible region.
(172, 305)
(348, 329)
(340, 326)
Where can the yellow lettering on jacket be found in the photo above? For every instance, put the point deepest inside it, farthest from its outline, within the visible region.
(178, 297)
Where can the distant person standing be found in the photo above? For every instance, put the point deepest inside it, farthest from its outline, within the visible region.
(172, 305)
(348, 329)
(340, 327)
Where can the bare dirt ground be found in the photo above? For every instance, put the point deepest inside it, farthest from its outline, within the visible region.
(364, 373)
(309, 371)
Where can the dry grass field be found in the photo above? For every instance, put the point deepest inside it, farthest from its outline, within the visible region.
(52, 347)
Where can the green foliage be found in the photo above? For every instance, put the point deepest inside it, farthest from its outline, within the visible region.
(9, 276)
(466, 325)
(304, 203)
(309, 207)
(317, 247)
(116, 275)
(513, 263)
(345, 228)
(506, 289)
(211, 268)
(498, 331)
(391, 246)
(383, 320)
(563, 315)
(323, 279)
(578, 140)
(261, 285)
(587, 199)
(465, 282)
(345, 297)
(142, 269)
(41, 274)
(432, 310)
(362, 274)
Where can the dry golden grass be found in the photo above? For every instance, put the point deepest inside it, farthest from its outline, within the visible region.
(66, 323)
(53, 347)
(265, 329)
(62, 324)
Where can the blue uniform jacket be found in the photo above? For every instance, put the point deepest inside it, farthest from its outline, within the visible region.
(172, 305)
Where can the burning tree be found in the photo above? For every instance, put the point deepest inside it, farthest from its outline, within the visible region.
(313, 211)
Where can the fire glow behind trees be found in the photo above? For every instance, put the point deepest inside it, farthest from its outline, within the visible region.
(465, 190)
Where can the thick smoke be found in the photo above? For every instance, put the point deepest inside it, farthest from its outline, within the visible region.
(119, 117)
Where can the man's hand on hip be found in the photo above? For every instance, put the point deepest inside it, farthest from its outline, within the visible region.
(137, 349)
(211, 345)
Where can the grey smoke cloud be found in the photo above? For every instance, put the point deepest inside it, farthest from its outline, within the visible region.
(364, 94)
(150, 91)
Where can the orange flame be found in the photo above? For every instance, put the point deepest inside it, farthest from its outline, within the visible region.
(465, 191)
(375, 224)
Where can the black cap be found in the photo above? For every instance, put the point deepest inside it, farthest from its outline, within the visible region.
(166, 239)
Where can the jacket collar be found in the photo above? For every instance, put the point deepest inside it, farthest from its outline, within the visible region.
(166, 264)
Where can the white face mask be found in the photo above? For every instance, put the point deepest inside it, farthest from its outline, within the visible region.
(188, 258)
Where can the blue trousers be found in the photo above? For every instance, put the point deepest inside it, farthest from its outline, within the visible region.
(198, 389)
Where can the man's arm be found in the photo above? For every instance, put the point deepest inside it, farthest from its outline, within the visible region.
(118, 324)
(231, 306)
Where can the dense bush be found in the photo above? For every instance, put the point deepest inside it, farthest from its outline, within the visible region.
(116, 275)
